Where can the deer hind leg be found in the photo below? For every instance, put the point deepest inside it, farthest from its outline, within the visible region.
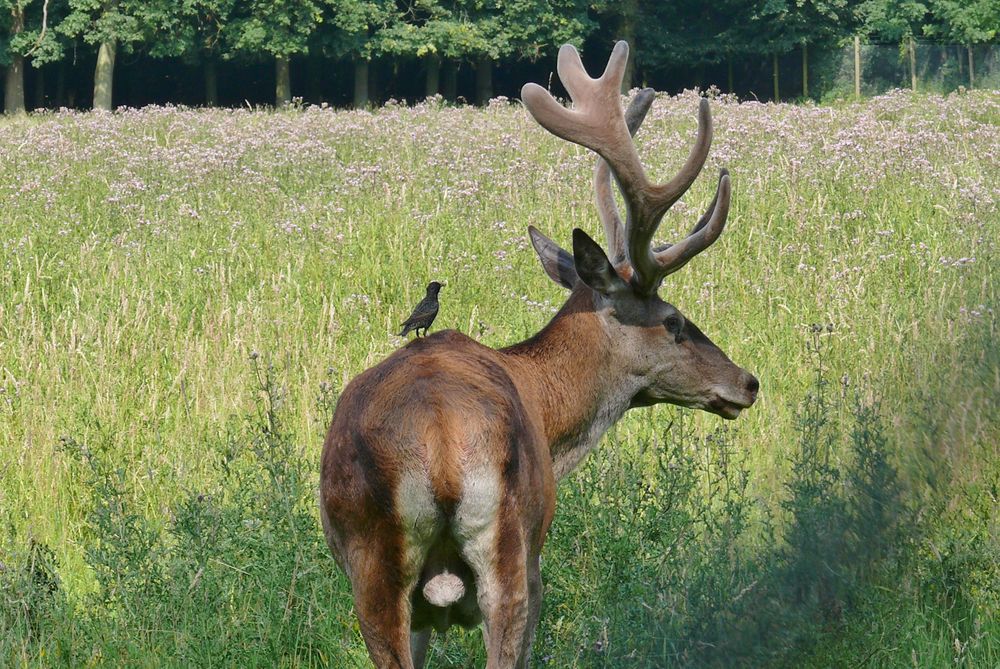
(419, 641)
(492, 542)
(504, 600)
(534, 574)
(381, 601)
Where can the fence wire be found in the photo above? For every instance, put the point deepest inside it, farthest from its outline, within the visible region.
(939, 68)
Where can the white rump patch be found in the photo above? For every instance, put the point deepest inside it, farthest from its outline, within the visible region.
(475, 527)
(421, 519)
(477, 511)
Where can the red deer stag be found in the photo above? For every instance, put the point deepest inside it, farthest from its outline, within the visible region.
(440, 467)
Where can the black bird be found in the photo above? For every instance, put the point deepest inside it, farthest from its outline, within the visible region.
(424, 313)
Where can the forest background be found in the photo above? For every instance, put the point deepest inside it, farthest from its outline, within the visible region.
(105, 53)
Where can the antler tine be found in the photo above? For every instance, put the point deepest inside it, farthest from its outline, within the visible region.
(708, 212)
(606, 208)
(699, 225)
(707, 230)
(597, 123)
(660, 198)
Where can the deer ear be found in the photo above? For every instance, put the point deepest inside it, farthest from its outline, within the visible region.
(593, 266)
(558, 264)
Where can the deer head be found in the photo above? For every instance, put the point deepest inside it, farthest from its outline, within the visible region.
(652, 339)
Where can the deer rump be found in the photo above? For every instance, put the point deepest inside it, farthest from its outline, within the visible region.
(434, 467)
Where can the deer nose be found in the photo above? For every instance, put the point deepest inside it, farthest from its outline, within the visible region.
(752, 385)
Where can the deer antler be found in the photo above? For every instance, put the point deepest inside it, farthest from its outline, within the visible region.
(598, 123)
(606, 209)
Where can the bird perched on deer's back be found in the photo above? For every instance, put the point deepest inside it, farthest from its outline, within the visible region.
(424, 313)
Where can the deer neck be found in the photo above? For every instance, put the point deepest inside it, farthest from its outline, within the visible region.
(568, 371)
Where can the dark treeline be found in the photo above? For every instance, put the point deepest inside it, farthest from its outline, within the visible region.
(102, 53)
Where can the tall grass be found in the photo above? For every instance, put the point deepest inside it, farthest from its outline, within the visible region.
(185, 292)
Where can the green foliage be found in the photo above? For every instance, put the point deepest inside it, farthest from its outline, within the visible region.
(469, 29)
(357, 24)
(278, 28)
(191, 29)
(893, 20)
(666, 36)
(122, 22)
(26, 29)
(964, 21)
(235, 574)
(31, 594)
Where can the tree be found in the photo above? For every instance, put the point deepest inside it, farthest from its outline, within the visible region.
(765, 33)
(111, 25)
(893, 20)
(278, 28)
(191, 30)
(965, 22)
(739, 34)
(815, 22)
(26, 33)
(520, 29)
(535, 28)
(351, 34)
(896, 21)
(437, 32)
(626, 18)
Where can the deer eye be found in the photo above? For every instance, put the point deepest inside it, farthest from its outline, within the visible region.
(674, 323)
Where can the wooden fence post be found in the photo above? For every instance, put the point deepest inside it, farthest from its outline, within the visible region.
(805, 70)
(857, 66)
(774, 60)
(972, 71)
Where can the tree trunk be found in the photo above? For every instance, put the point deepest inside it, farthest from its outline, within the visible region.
(374, 83)
(104, 76)
(360, 83)
(282, 82)
(774, 61)
(805, 71)
(729, 75)
(913, 64)
(630, 20)
(433, 81)
(857, 66)
(39, 88)
(211, 83)
(449, 87)
(484, 81)
(60, 100)
(13, 90)
(314, 79)
(972, 68)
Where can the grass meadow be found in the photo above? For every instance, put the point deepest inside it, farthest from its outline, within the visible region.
(184, 293)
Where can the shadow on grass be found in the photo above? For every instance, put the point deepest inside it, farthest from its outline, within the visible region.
(673, 568)
(659, 558)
